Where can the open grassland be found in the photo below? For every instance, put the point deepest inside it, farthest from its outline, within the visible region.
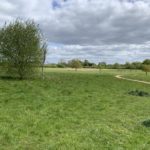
(84, 109)
(139, 76)
(132, 74)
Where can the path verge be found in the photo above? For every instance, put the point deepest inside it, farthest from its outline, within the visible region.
(133, 80)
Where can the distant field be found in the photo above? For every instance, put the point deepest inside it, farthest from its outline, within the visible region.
(84, 109)
(133, 74)
(139, 76)
(70, 70)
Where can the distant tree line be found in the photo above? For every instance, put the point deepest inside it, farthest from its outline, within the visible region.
(103, 65)
(76, 63)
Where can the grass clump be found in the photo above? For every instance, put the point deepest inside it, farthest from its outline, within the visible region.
(146, 123)
(139, 93)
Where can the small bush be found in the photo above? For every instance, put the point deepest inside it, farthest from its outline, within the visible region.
(146, 123)
(139, 93)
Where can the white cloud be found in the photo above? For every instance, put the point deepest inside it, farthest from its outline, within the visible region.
(110, 29)
(108, 53)
(6, 6)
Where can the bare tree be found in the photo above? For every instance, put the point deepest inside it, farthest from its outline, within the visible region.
(44, 52)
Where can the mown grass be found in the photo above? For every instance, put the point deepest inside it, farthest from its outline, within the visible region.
(73, 110)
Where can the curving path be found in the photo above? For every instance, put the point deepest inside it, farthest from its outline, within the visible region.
(120, 77)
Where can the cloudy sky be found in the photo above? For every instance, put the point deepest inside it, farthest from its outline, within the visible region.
(97, 30)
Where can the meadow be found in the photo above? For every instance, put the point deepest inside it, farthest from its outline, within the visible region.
(84, 110)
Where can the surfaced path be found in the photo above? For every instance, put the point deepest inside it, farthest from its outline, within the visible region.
(139, 81)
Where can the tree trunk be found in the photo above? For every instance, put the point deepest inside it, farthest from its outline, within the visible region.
(42, 72)
(21, 74)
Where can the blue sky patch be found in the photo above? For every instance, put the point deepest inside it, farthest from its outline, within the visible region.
(56, 4)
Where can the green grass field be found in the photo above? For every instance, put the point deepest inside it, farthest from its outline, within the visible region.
(74, 110)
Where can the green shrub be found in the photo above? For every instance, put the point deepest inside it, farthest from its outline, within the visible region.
(138, 93)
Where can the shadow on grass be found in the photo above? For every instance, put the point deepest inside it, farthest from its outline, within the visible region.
(8, 78)
(139, 93)
(15, 78)
(146, 123)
